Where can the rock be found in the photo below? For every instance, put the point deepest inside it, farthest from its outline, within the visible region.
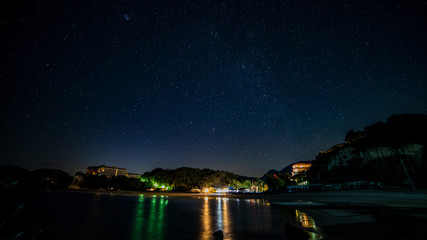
(295, 233)
(218, 235)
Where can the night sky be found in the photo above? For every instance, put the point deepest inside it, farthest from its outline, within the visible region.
(242, 86)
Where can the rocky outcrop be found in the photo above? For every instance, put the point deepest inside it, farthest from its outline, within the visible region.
(343, 156)
(378, 153)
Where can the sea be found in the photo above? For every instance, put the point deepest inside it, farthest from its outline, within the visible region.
(83, 215)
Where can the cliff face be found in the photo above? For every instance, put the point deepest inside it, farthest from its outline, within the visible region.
(343, 157)
(377, 153)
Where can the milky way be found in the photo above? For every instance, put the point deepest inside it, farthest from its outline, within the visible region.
(242, 86)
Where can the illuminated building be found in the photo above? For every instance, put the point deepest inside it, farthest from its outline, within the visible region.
(299, 176)
(254, 188)
(208, 190)
(107, 171)
(300, 168)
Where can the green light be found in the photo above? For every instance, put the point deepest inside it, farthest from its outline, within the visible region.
(155, 184)
(163, 186)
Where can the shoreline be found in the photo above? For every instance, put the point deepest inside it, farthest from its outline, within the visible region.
(387, 198)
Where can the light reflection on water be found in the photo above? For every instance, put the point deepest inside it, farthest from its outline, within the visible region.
(309, 224)
(139, 218)
(206, 219)
(219, 213)
(223, 219)
(305, 220)
(70, 215)
(232, 216)
(227, 226)
(155, 226)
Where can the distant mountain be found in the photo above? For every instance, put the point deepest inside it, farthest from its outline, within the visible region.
(47, 178)
(272, 171)
(10, 171)
(287, 169)
(12, 177)
(379, 153)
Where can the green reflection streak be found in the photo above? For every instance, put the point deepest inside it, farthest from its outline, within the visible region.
(154, 228)
(160, 222)
(152, 219)
(139, 219)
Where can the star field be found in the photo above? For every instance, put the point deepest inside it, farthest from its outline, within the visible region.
(242, 86)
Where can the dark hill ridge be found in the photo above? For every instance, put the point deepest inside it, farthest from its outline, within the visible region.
(12, 177)
(185, 178)
(377, 153)
(272, 172)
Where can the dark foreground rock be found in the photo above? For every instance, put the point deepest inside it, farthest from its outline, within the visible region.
(295, 233)
(218, 235)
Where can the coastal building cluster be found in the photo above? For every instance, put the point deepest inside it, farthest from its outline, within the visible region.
(300, 168)
(297, 176)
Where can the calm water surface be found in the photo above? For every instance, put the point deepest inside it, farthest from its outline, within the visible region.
(72, 215)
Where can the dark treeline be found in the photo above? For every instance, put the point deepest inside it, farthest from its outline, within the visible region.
(277, 182)
(185, 178)
(179, 180)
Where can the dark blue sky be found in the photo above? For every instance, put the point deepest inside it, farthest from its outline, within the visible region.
(242, 86)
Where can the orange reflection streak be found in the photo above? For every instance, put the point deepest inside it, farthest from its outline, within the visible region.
(226, 218)
(309, 224)
(206, 221)
(305, 220)
(219, 221)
